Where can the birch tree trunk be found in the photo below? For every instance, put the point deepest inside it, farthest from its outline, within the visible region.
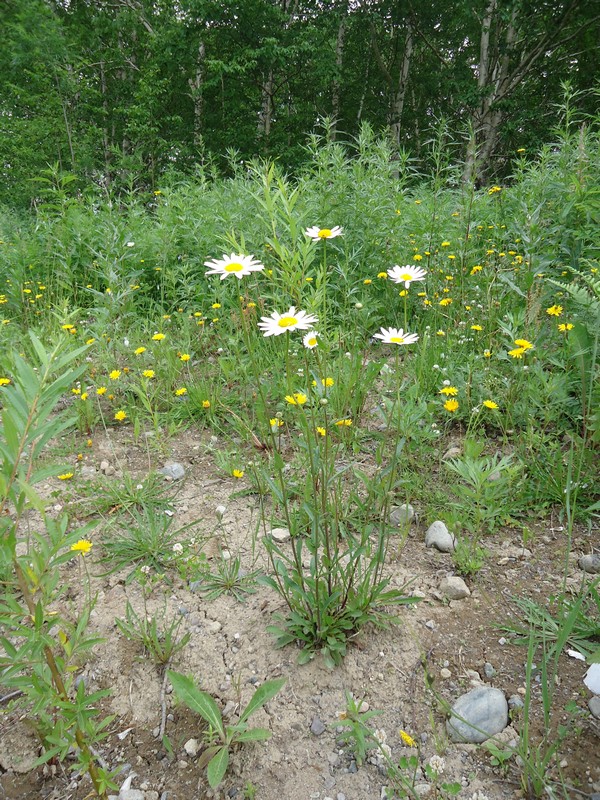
(337, 82)
(196, 85)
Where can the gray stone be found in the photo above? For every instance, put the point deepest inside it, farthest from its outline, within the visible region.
(402, 515)
(192, 747)
(423, 789)
(280, 535)
(590, 563)
(477, 715)
(515, 701)
(317, 727)
(132, 794)
(454, 588)
(452, 452)
(87, 472)
(212, 626)
(488, 670)
(172, 470)
(594, 706)
(439, 536)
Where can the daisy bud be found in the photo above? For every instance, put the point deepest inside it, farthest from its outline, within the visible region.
(219, 512)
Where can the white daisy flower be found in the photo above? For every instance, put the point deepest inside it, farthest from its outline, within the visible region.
(316, 233)
(291, 320)
(407, 274)
(396, 336)
(310, 340)
(237, 265)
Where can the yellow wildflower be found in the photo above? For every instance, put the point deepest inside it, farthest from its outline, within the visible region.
(83, 546)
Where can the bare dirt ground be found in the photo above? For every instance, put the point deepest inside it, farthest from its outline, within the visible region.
(397, 670)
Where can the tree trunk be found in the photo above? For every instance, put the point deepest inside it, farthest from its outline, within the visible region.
(197, 89)
(503, 64)
(401, 86)
(337, 81)
(266, 110)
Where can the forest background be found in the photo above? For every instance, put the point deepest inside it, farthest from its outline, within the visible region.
(119, 93)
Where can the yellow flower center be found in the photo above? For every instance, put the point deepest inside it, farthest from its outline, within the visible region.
(397, 339)
(234, 267)
(287, 322)
(324, 233)
(406, 276)
(312, 341)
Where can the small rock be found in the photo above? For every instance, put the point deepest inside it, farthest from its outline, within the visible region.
(452, 452)
(192, 747)
(173, 470)
(87, 472)
(317, 727)
(594, 706)
(403, 515)
(454, 588)
(229, 708)
(590, 563)
(430, 624)
(423, 789)
(485, 713)
(489, 670)
(515, 701)
(439, 536)
(151, 795)
(445, 674)
(280, 535)
(212, 626)
(132, 794)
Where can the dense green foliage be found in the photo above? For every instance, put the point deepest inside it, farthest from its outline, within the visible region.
(119, 93)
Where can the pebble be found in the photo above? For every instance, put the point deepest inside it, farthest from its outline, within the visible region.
(423, 789)
(515, 701)
(402, 515)
(192, 747)
(484, 708)
(212, 626)
(281, 535)
(317, 727)
(439, 536)
(445, 674)
(454, 588)
(594, 706)
(590, 563)
(172, 470)
(132, 794)
(489, 670)
(452, 452)
(107, 468)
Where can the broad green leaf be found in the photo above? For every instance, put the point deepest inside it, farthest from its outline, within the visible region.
(199, 701)
(218, 767)
(261, 696)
